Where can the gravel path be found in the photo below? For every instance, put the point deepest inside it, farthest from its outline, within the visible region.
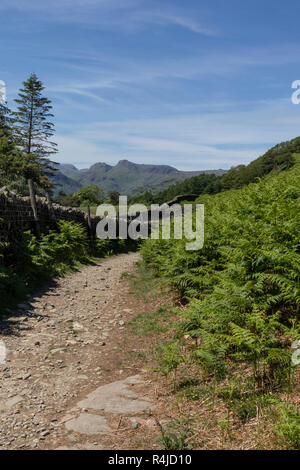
(61, 385)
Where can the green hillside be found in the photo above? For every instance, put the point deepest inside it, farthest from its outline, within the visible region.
(278, 158)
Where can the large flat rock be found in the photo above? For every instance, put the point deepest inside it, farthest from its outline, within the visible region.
(13, 401)
(88, 424)
(117, 397)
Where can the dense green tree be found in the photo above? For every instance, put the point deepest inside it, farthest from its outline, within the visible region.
(91, 195)
(59, 196)
(12, 161)
(9, 161)
(5, 119)
(113, 197)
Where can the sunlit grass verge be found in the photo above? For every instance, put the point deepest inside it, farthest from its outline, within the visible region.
(148, 324)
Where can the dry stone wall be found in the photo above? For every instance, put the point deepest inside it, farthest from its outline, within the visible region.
(16, 215)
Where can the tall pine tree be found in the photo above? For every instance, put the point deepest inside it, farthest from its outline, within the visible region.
(33, 130)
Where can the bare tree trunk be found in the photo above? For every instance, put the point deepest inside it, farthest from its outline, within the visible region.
(91, 237)
(89, 219)
(49, 202)
(33, 206)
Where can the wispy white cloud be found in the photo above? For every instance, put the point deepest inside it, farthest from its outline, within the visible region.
(126, 15)
(211, 140)
(102, 72)
(166, 16)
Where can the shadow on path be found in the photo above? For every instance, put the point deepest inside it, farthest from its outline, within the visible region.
(14, 323)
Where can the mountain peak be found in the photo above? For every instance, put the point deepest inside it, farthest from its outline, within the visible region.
(98, 165)
(126, 163)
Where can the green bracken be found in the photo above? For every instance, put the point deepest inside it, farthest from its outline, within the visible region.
(242, 292)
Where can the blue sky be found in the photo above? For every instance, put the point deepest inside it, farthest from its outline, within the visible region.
(189, 83)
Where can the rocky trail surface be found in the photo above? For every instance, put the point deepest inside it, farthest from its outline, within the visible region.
(68, 374)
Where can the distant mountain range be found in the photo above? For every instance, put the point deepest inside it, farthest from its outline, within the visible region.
(126, 177)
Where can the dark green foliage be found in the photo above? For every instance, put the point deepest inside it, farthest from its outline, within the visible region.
(113, 197)
(12, 163)
(58, 250)
(7, 279)
(201, 184)
(5, 120)
(11, 159)
(59, 197)
(27, 265)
